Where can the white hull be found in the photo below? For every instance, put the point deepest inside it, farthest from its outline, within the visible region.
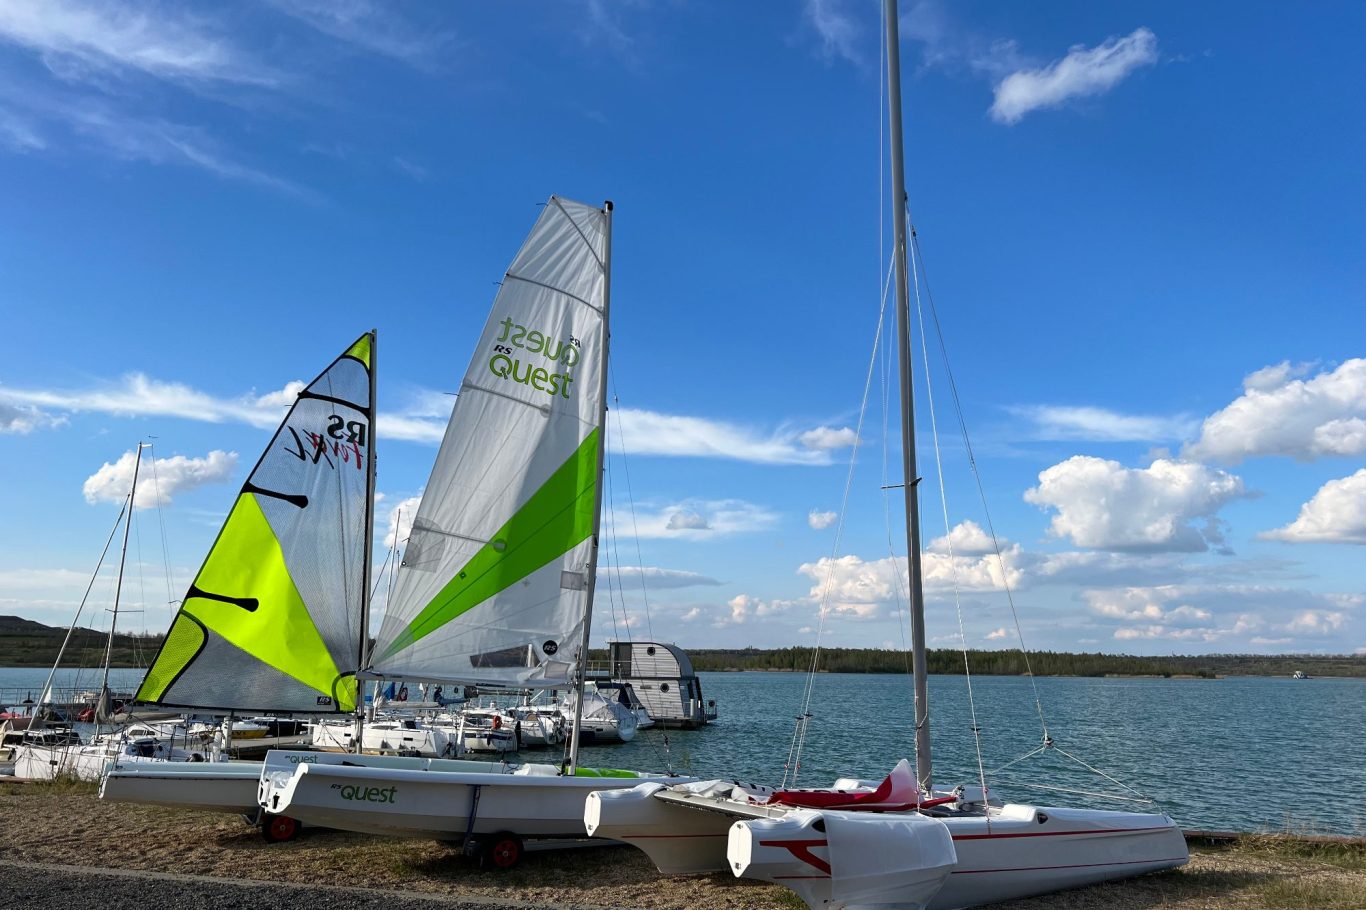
(401, 737)
(1025, 850)
(85, 763)
(215, 786)
(432, 798)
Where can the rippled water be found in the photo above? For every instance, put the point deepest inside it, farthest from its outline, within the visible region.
(1231, 754)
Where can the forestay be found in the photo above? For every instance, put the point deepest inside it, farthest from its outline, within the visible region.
(493, 585)
(273, 620)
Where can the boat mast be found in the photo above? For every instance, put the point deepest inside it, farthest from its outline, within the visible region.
(364, 633)
(597, 489)
(924, 767)
(118, 588)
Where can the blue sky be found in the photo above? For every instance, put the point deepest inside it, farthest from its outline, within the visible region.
(1142, 229)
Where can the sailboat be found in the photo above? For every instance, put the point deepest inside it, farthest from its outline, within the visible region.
(496, 583)
(897, 842)
(60, 753)
(275, 619)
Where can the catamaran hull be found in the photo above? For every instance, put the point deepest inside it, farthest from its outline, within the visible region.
(1025, 850)
(214, 786)
(444, 805)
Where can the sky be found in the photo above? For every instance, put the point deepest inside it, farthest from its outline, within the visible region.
(1141, 234)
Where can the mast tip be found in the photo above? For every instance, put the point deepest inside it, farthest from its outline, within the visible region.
(607, 206)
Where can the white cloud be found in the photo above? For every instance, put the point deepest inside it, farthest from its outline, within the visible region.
(837, 29)
(26, 418)
(1232, 614)
(1104, 505)
(948, 45)
(1100, 425)
(652, 433)
(401, 521)
(374, 27)
(658, 578)
(75, 38)
(820, 520)
(1083, 72)
(702, 519)
(137, 395)
(159, 482)
(967, 539)
(997, 634)
(1281, 414)
(1336, 514)
(828, 438)
(868, 588)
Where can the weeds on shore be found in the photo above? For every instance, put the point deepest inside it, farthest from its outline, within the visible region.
(59, 786)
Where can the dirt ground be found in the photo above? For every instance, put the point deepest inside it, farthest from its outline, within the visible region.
(70, 826)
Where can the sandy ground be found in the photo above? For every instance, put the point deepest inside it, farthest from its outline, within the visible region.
(72, 827)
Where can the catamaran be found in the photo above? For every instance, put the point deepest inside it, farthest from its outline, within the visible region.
(897, 842)
(496, 583)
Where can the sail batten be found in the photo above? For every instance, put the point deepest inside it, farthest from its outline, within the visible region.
(271, 620)
(509, 511)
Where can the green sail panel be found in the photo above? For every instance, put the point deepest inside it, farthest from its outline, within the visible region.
(492, 587)
(273, 620)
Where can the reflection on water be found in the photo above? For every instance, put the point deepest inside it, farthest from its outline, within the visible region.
(1229, 754)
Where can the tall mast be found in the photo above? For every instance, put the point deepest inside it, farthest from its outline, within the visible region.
(118, 585)
(597, 489)
(924, 766)
(364, 632)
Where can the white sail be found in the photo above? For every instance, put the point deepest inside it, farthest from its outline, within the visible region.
(494, 581)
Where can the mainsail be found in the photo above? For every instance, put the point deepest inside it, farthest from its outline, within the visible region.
(274, 619)
(496, 576)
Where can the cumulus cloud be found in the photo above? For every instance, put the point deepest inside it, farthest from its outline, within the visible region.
(702, 519)
(820, 520)
(997, 634)
(828, 438)
(1083, 72)
(158, 483)
(401, 521)
(1336, 514)
(965, 539)
(1282, 414)
(23, 419)
(1233, 614)
(1102, 504)
(852, 586)
(1057, 422)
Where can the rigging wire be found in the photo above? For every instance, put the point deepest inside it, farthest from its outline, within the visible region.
(794, 760)
(631, 503)
(948, 530)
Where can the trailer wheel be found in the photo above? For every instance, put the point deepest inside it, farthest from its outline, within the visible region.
(276, 829)
(500, 851)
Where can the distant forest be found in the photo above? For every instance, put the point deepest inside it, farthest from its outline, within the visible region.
(25, 643)
(1012, 663)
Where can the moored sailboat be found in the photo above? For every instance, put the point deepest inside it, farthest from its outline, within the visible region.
(496, 583)
(897, 842)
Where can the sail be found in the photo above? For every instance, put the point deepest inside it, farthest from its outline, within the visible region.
(493, 585)
(273, 620)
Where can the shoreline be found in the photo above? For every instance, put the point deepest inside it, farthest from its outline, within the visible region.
(197, 859)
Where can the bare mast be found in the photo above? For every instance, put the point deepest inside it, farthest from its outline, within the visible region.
(924, 766)
(597, 494)
(118, 589)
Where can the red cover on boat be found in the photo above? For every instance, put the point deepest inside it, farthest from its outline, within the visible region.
(898, 791)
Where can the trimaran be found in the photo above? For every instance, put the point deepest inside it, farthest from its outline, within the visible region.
(896, 843)
(495, 586)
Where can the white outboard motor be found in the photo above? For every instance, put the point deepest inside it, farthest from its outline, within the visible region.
(848, 860)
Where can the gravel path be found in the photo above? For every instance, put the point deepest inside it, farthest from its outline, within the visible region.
(41, 886)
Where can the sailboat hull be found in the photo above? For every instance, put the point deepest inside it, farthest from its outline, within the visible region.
(444, 800)
(1020, 851)
(228, 786)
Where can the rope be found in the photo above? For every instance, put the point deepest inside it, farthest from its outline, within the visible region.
(631, 504)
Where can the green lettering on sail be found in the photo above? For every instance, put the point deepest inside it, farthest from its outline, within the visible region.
(246, 565)
(557, 518)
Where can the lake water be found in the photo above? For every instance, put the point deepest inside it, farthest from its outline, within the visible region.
(1246, 753)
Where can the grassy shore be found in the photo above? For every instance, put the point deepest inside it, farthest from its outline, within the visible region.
(65, 824)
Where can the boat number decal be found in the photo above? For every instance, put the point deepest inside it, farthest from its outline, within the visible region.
(366, 794)
(550, 647)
